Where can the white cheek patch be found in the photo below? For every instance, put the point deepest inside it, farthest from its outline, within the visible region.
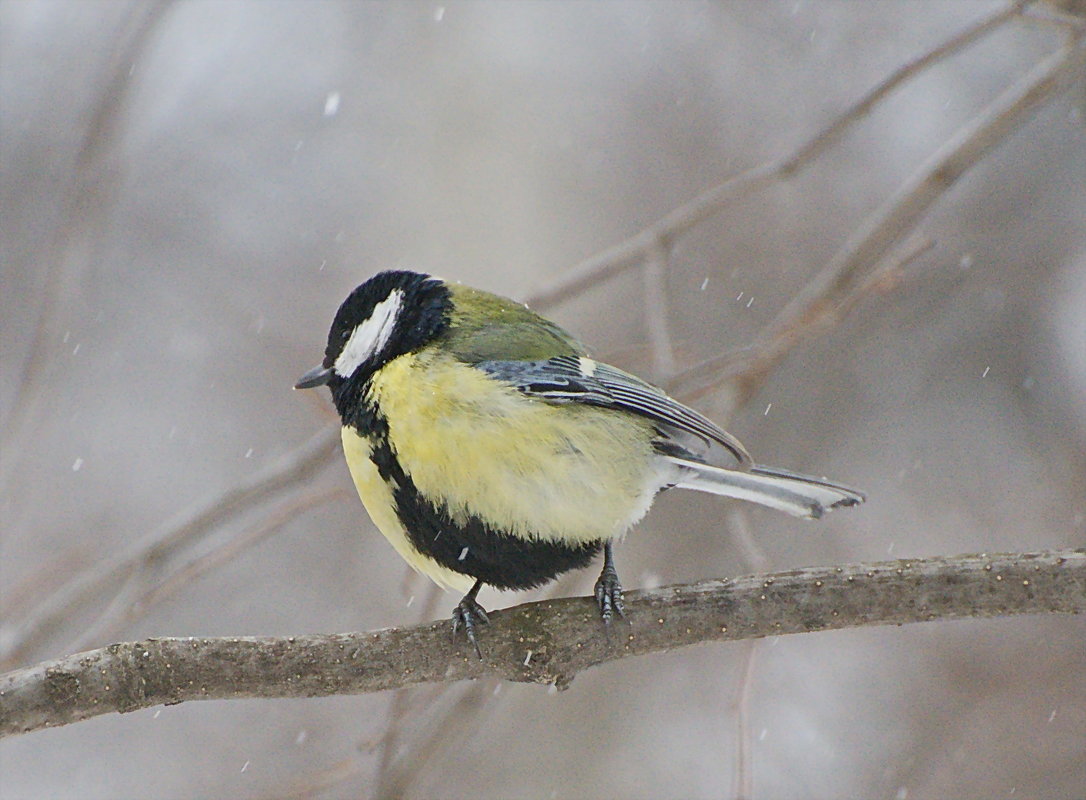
(371, 336)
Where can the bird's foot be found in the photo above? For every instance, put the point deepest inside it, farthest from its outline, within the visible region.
(467, 614)
(609, 595)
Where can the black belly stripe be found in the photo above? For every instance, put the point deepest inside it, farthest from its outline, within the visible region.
(473, 548)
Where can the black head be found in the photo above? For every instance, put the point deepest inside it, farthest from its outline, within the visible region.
(391, 314)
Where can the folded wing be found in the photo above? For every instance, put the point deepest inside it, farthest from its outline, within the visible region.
(684, 433)
(703, 456)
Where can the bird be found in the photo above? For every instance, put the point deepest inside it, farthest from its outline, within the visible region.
(490, 449)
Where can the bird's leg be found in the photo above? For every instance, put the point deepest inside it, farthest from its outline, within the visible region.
(608, 589)
(467, 613)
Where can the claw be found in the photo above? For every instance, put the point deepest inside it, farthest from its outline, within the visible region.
(467, 614)
(609, 596)
(609, 590)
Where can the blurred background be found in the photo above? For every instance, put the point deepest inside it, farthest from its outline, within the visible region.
(190, 188)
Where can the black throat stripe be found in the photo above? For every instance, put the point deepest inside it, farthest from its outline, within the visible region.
(497, 558)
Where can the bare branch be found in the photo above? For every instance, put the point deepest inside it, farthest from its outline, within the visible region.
(743, 780)
(460, 723)
(654, 280)
(127, 607)
(821, 141)
(819, 309)
(90, 196)
(620, 257)
(546, 642)
(190, 526)
(849, 270)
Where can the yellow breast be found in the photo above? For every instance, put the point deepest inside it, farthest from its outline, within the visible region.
(571, 473)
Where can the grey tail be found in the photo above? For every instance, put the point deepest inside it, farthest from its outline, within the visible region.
(795, 494)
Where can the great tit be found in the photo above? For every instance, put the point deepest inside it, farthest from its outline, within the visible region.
(489, 448)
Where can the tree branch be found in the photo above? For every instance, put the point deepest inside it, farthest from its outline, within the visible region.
(191, 525)
(87, 202)
(868, 245)
(130, 606)
(632, 251)
(547, 642)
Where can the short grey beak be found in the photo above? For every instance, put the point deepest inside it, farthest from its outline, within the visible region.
(318, 376)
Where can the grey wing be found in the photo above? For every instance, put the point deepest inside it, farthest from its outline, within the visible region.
(569, 379)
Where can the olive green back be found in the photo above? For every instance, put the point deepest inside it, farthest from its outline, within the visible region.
(486, 327)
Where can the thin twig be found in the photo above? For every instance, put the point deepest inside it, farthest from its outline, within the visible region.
(754, 558)
(22, 596)
(747, 368)
(547, 642)
(655, 301)
(622, 256)
(819, 143)
(870, 243)
(744, 739)
(460, 722)
(128, 607)
(189, 527)
(91, 194)
(1050, 14)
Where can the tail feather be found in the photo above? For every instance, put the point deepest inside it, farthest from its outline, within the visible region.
(795, 494)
